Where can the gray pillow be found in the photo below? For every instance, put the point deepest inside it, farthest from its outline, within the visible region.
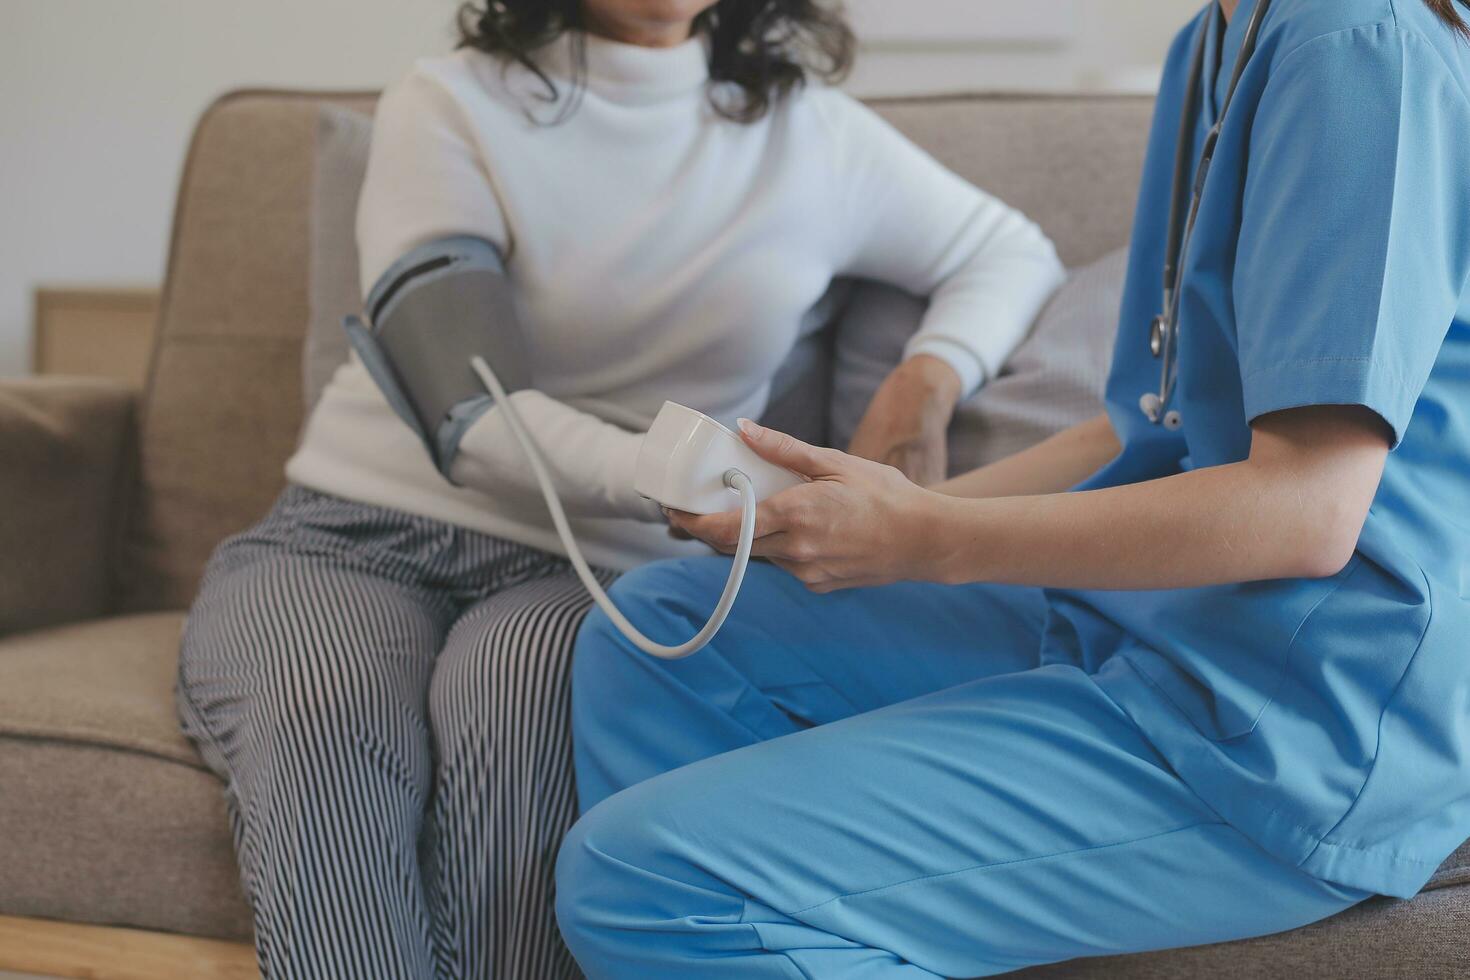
(342, 141)
(1054, 380)
(799, 393)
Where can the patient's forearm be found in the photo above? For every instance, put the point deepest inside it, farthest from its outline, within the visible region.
(1052, 466)
(591, 461)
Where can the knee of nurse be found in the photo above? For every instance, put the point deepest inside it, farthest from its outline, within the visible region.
(577, 871)
(598, 876)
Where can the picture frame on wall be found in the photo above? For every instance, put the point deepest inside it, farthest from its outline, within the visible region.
(94, 332)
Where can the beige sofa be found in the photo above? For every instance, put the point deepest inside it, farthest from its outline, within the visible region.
(110, 502)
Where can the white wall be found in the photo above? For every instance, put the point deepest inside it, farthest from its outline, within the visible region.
(1113, 45)
(97, 100)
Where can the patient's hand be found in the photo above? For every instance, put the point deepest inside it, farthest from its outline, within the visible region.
(906, 422)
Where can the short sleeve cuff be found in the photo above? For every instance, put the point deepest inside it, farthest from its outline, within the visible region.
(964, 361)
(1330, 381)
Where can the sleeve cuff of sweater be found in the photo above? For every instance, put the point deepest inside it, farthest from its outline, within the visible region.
(628, 501)
(965, 362)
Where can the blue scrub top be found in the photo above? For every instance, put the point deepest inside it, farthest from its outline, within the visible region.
(1327, 719)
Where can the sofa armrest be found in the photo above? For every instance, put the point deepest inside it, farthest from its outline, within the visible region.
(63, 447)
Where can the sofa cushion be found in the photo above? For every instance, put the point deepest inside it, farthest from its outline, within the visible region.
(97, 683)
(1381, 939)
(64, 443)
(343, 138)
(1070, 163)
(1454, 871)
(223, 404)
(1054, 379)
(108, 814)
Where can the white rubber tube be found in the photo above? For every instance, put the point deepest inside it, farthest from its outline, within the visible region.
(737, 480)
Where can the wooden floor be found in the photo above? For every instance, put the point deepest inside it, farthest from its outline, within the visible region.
(42, 948)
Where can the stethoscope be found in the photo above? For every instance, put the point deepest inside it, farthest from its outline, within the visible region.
(1163, 336)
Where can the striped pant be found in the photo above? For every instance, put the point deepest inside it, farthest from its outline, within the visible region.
(386, 697)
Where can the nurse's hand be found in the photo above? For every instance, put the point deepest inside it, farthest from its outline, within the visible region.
(906, 423)
(857, 523)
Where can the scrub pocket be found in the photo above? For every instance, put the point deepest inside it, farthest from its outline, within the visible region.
(1350, 655)
(1221, 654)
(1343, 658)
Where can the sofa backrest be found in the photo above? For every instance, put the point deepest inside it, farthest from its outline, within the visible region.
(221, 409)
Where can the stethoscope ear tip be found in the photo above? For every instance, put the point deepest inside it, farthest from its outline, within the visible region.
(1152, 406)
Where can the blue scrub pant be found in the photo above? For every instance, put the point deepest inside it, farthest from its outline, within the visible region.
(882, 783)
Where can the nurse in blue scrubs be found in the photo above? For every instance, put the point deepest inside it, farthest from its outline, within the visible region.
(1194, 671)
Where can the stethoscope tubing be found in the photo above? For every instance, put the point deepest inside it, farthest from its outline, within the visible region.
(1163, 336)
(734, 479)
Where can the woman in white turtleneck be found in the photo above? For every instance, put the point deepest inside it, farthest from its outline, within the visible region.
(379, 668)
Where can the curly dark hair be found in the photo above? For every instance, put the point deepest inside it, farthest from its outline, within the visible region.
(766, 48)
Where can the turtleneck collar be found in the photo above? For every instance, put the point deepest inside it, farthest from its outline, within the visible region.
(629, 72)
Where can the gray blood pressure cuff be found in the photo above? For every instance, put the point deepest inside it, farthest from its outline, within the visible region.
(432, 311)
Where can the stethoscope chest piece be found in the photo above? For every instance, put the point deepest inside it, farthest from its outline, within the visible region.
(1156, 337)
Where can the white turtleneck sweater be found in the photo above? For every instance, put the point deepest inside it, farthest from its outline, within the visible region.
(658, 251)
